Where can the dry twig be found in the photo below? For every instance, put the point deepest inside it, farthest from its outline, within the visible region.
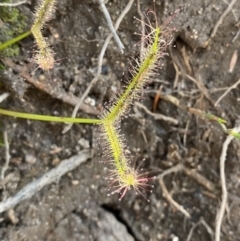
(203, 222)
(157, 116)
(200, 179)
(236, 36)
(7, 155)
(189, 237)
(227, 91)
(6, 144)
(186, 60)
(6, 165)
(167, 195)
(195, 175)
(110, 25)
(53, 175)
(13, 4)
(186, 131)
(3, 97)
(223, 182)
(221, 18)
(177, 168)
(177, 71)
(208, 228)
(202, 88)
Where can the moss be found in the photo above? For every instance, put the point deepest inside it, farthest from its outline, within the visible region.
(12, 24)
(2, 67)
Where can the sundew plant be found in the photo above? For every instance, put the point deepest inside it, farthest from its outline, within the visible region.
(122, 175)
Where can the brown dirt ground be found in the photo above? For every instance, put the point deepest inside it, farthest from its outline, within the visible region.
(63, 211)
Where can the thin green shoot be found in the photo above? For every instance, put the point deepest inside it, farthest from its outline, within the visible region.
(14, 40)
(49, 118)
(233, 133)
(215, 118)
(219, 120)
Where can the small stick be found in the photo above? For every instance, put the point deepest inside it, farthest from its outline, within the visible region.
(110, 25)
(236, 36)
(53, 175)
(203, 222)
(177, 168)
(223, 181)
(227, 91)
(100, 59)
(157, 116)
(7, 155)
(3, 97)
(170, 199)
(189, 237)
(186, 60)
(157, 98)
(200, 179)
(208, 228)
(186, 131)
(177, 71)
(176, 79)
(12, 4)
(233, 61)
(220, 20)
(6, 143)
(201, 87)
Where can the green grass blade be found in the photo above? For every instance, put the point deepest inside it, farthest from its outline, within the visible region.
(14, 40)
(49, 118)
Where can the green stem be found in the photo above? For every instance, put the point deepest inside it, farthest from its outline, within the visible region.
(49, 118)
(14, 40)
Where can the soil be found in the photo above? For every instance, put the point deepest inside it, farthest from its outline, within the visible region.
(78, 207)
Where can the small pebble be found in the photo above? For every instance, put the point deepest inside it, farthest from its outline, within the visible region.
(75, 182)
(84, 143)
(90, 101)
(12, 217)
(42, 77)
(31, 159)
(55, 161)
